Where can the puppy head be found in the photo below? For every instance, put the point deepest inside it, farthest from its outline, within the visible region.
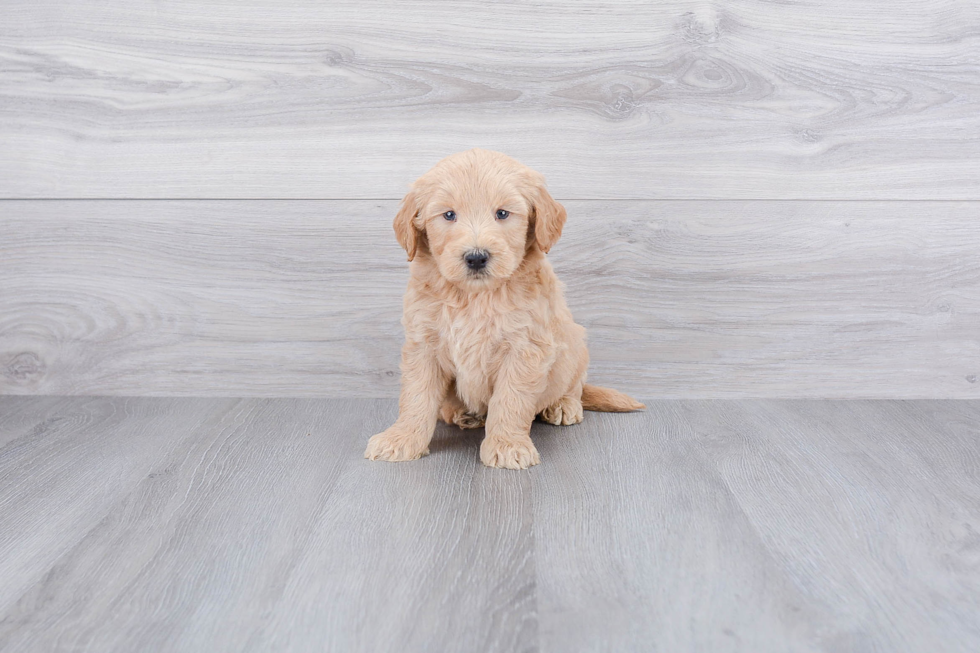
(478, 213)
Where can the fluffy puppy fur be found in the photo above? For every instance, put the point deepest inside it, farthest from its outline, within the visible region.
(489, 339)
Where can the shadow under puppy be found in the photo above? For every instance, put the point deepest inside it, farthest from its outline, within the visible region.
(488, 336)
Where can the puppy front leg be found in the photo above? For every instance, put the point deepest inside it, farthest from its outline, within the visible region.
(424, 386)
(510, 414)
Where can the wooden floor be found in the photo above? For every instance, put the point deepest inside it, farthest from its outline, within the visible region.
(157, 524)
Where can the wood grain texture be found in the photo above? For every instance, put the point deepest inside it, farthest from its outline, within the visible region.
(435, 556)
(269, 531)
(720, 525)
(609, 98)
(303, 298)
(78, 460)
(758, 525)
(659, 555)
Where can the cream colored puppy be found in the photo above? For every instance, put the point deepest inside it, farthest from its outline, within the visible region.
(488, 337)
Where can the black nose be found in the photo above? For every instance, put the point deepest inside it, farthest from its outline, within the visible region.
(476, 259)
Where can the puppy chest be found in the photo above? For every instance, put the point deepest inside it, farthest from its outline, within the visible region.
(472, 348)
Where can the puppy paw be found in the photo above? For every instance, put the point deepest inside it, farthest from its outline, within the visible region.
(469, 420)
(565, 411)
(395, 445)
(453, 412)
(509, 454)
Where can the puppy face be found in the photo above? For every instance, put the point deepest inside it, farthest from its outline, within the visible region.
(478, 213)
(476, 229)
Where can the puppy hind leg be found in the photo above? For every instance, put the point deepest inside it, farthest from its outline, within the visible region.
(454, 412)
(567, 410)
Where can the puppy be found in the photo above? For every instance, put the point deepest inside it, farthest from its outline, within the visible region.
(488, 337)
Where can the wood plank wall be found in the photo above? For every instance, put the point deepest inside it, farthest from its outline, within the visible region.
(765, 199)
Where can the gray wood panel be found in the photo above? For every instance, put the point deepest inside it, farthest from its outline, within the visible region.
(866, 474)
(610, 99)
(271, 520)
(277, 298)
(758, 525)
(721, 525)
(303, 298)
(78, 460)
(438, 556)
(647, 549)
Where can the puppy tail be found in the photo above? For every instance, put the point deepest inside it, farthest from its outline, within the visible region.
(607, 400)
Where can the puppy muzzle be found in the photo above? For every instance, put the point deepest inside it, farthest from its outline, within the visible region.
(476, 260)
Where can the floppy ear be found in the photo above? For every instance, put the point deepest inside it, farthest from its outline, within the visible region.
(407, 233)
(548, 215)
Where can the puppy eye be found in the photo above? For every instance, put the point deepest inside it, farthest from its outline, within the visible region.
(502, 215)
(450, 215)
